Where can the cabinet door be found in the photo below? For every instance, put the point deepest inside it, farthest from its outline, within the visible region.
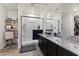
(63, 52)
(51, 44)
(42, 45)
(51, 48)
(40, 42)
(51, 52)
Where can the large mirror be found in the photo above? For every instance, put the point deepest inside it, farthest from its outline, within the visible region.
(51, 26)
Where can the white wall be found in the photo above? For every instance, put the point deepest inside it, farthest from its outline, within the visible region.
(12, 14)
(68, 24)
(2, 20)
(68, 14)
(19, 26)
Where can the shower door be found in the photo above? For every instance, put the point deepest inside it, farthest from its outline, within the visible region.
(28, 25)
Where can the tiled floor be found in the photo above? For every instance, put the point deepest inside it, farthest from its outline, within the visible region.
(36, 52)
(15, 52)
(32, 53)
(7, 52)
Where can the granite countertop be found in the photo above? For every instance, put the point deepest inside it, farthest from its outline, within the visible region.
(65, 43)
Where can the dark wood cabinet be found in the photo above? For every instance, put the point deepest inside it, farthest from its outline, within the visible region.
(64, 52)
(50, 52)
(49, 48)
(42, 45)
(46, 46)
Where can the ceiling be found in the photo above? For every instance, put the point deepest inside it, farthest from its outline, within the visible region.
(49, 6)
(11, 6)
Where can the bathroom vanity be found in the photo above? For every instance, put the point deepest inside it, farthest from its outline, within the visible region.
(55, 46)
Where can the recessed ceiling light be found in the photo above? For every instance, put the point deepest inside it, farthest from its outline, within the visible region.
(48, 20)
(75, 9)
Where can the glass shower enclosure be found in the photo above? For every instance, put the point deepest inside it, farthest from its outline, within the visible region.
(28, 24)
